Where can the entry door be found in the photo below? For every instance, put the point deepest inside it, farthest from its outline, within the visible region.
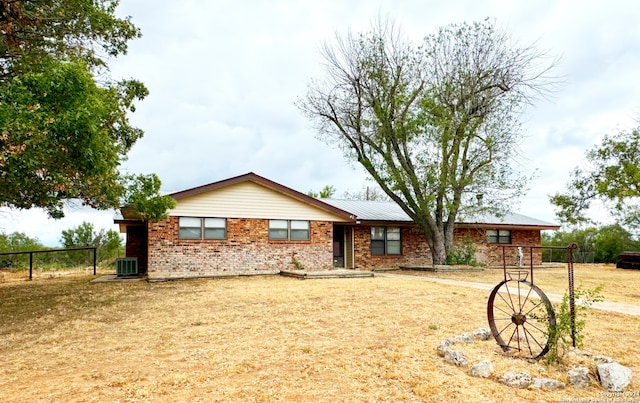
(338, 246)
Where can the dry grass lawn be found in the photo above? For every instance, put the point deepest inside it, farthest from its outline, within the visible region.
(271, 339)
(619, 285)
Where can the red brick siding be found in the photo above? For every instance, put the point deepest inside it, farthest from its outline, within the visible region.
(416, 252)
(491, 254)
(247, 250)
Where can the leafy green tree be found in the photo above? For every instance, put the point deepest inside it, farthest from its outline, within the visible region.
(142, 195)
(108, 243)
(610, 241)
(612, 177)
(583, 237)
(34, 31)
(17, 242)
(64, 128)
(326, 193)
(435, 124)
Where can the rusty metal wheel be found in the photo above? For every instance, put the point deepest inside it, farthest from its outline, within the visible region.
(521, 318)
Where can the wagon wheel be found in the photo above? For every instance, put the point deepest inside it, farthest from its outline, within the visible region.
(521, 317)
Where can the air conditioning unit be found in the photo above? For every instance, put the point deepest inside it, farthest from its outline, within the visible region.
(127, 266)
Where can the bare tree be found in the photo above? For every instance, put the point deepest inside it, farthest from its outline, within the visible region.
(434, 125)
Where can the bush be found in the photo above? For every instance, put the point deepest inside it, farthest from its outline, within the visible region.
(560, 338)
(464, 254)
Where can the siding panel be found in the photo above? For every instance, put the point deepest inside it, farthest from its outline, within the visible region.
(250, 200)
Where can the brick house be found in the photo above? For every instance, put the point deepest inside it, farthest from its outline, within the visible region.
(251, 225)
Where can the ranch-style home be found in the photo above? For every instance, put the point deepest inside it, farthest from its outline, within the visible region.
(251, 225)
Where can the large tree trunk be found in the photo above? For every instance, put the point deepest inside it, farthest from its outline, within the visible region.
(436, 241)
(439, 253)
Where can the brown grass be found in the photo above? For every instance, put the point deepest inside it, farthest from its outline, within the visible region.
(263, 339)
(620, 285)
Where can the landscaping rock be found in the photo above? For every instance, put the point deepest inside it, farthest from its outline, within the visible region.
(520, 380)
(483, 369)
(482, 334)
(455, 357)
(465, 337)
(579, 377)
(444, 346)
(613, 376)
(548, 384)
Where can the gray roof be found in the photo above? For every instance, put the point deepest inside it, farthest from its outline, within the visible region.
(371, 210)
(508, 219)
(367, 210)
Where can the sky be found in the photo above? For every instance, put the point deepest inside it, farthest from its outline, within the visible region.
(224, 76)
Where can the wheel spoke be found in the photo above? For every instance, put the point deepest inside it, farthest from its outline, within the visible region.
(505, 312)
(526, 299)
(527, 331)
(509, 303)
(511, 338)
(534, 307)
(537, 328)
(505, 328)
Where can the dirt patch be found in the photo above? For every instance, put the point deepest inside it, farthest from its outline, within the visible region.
(262, 339)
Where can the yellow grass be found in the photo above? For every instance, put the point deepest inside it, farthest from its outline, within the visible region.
(620, 285)
(264, 339)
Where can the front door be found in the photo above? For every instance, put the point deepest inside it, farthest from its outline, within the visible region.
(338, 246)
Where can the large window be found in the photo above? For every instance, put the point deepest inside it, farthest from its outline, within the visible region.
(202, 228)
(498, 236)
(293, 230)
(386, 241)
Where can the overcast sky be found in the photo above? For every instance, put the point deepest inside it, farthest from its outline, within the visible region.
(224, 75)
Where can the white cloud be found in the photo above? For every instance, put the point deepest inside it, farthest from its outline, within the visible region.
(223, 77)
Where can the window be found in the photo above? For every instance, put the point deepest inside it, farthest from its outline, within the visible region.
(386, 241)
(498, 236)
(293, 230)
(202, 228)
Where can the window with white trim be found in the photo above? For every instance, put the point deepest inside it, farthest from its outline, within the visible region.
(386, 241)
(289, 230)
(202, 228)
(498, 236)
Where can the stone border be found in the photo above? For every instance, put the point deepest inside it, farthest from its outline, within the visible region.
(611, 375)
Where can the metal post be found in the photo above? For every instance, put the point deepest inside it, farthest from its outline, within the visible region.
(30, 265)
(572, 305)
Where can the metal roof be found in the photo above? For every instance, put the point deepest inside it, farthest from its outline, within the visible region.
(367, 210)
(508, 219)
(371, 210)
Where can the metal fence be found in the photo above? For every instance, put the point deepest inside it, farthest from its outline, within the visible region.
(32, 252)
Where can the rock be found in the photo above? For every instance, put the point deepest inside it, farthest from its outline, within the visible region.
(483, 369)
(520, 380)
(455, 357)
(465, 337)
(613, 376)
(548, 384)
(444, 346)
(482, 334)
(579, 377)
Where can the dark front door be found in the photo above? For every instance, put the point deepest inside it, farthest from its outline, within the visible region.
(338, 246)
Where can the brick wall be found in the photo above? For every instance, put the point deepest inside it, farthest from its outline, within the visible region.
(247, 250)
(491, 254)
(416, 253)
